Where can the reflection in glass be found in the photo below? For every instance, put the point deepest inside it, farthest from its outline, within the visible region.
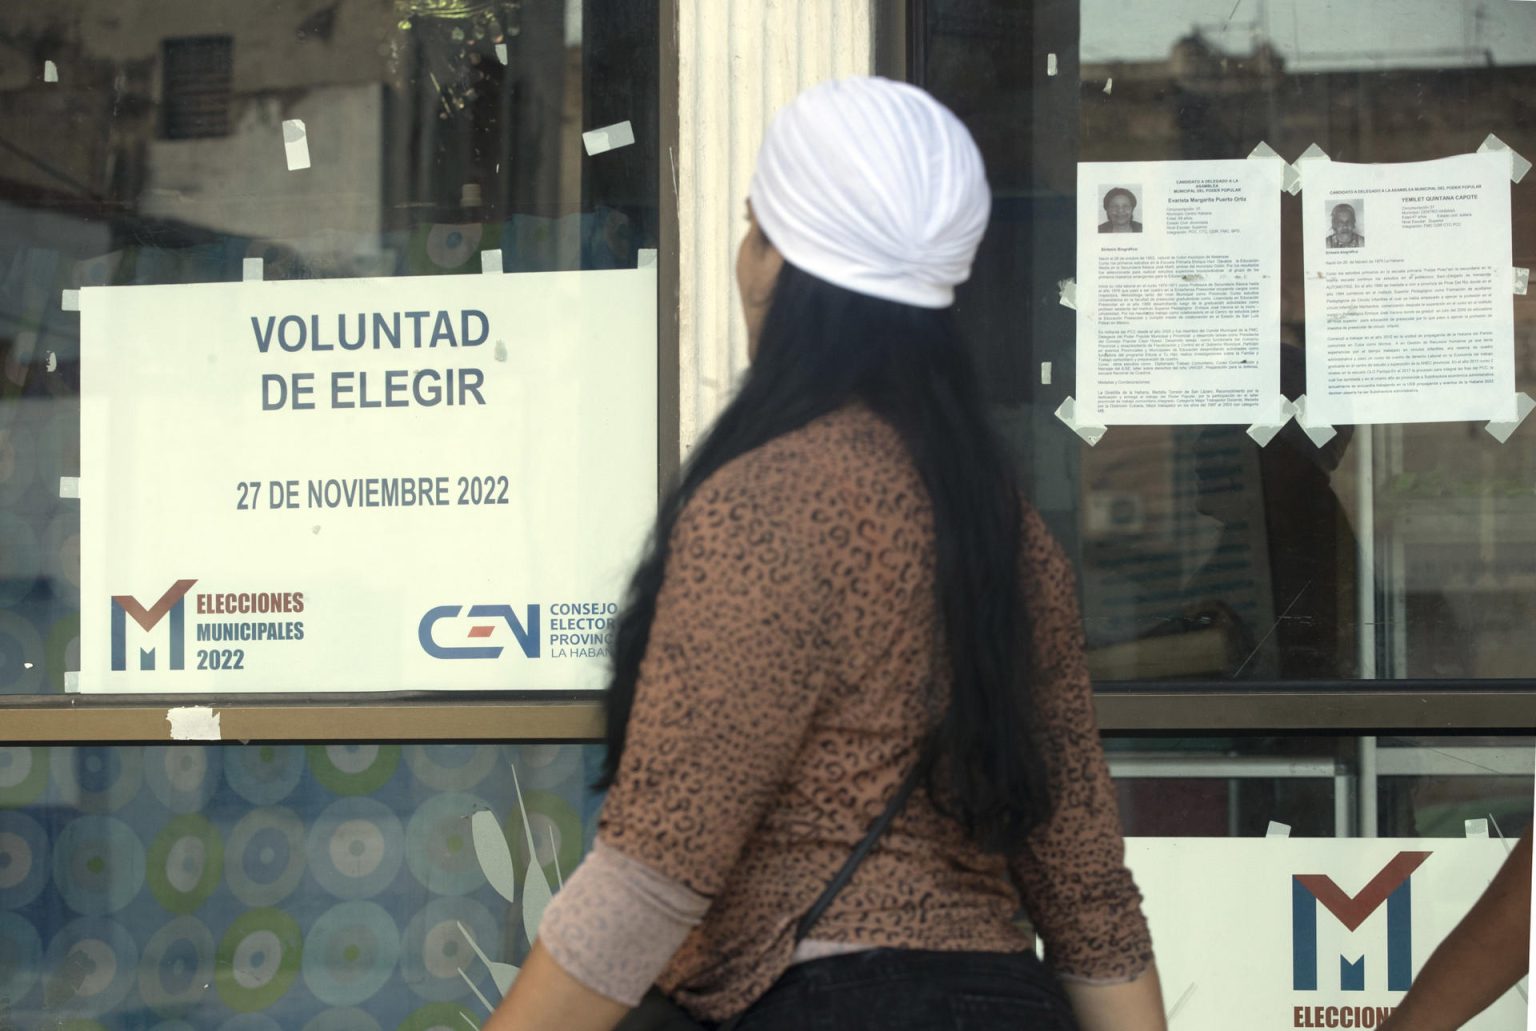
(1381, 552)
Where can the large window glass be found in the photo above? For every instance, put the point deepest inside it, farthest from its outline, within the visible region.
(1388, 552)
(328, 141)
(347, 884)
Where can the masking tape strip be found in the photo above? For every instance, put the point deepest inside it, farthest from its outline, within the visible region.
(1045, 374)
(501, 52)
(1292, 179)
(646, 257)
(1090, 432)
(1067, 293)
(1477, 828)
(1312, 153)
(490, 262)
(194, 723)
(1277, 830)
(1320, 433)
(1263, 433)
(50, 72)
(295, 144)
(69, 486)
(1051, 66)
(252, 270)
(72, 682)
(609, 137)
(1502, 431)
(70, 300)
(1522, 280)
(1109, 85)
(1518, 165)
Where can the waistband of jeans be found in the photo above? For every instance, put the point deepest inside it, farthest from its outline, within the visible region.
(886, 962)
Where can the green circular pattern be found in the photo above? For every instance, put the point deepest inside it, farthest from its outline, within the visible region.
(450, 767)
(349, 1019)
(97, 778)
(439, 845)
(264, 857)
(186, 861)
(438, 1016)
(350, 953)
(23, 774)
(258, 959)
(546, 811)
(353, 769)
(176, 966)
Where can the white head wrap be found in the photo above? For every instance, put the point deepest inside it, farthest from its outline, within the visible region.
(874, 186)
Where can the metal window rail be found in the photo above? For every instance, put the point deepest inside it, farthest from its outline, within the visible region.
(1234, 768)
(1343, 707)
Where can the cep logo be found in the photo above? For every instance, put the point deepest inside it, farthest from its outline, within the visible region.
(173, 602)
(1393, 885)
(526, 630)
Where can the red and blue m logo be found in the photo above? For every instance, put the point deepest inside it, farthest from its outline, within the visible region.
(1393, 885)
(173, 603)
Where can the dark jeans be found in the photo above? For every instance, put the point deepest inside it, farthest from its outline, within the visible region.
(895, 989)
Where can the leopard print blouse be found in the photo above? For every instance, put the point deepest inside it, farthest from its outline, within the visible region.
(781, 701)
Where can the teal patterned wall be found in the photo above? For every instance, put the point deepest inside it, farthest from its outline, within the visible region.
(265, 887)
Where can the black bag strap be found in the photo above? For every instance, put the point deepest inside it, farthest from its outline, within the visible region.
(851, 864)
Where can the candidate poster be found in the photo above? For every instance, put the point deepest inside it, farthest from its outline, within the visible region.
(1306, 933)
(1410, 314)
(363, 485)
(1178, 293)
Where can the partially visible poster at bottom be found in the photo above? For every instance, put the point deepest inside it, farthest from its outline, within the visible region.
(1279, 933)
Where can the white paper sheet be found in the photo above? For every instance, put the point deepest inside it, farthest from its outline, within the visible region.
(396, 483)
(1178, 299)
(1409, 311)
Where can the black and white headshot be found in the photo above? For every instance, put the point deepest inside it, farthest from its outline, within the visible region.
(1346, 222)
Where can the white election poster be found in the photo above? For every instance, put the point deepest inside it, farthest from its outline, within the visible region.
(1305, 932)
(365, 484)
(1178, 292)
(1410, 316)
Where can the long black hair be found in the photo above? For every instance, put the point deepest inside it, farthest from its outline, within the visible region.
(823, 347)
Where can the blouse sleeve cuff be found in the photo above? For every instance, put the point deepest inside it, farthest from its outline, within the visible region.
(617, 923)
(1125, 976)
